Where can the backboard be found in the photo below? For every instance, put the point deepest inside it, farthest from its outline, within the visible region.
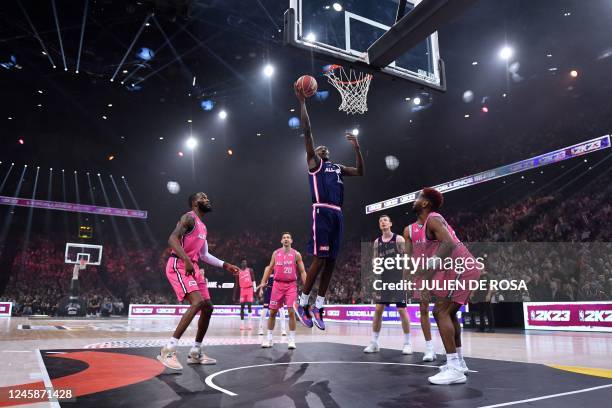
(343, 31)
(77, 251)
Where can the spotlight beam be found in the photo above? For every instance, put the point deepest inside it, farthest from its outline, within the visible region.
(59, 34)
(6, 177)
(82, 35)
(177, 32)
(130, 223)
(35, 32)
(189, 51)
(178, 57)
(131, 46)
(150, 236)
(216, 56)
(268, 14)
(78, 197)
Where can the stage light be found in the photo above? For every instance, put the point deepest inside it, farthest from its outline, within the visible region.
(161, 138)
(549, 55)
(40, 91)
(104, 117)
(125, 71)
(311, 37)
(189, 121)
(416, 101)
(173, 187)
(180, 154)
(573, 73)
(111, 157)
(10, 118)
(337, 6)
(506, 53)
(258, 134)
(212, 138)
(474, 62)
(355, 132)
(230, 152)
(467, 115)
(223, 114)
(110, 105)
(191, 143)
(21, 141)
(268, 70)
(485, 109)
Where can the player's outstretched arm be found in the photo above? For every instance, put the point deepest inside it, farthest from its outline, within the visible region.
(187, 223)
(301, 269)
(312, 159)
(359, 169)
(210, 259)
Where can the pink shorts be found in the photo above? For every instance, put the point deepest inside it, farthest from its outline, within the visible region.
(183, 284)
(283, 293)
(246, 295)
(460, 296)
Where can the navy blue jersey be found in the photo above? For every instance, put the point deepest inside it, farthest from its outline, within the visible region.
(326, 185)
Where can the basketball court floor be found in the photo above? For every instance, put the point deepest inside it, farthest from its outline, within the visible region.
(111, 362)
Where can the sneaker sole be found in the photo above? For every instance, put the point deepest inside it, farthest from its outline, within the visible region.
(459, 381)
(205, 362)
(318, 327)
(370, 352)
(167, 366)
(291, 348)
(299, 317)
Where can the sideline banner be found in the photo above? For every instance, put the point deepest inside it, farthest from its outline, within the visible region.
(335, 313)
(570, 316)
(5, 309)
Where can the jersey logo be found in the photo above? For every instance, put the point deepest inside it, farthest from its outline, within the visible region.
(324, 248)
(202, 236)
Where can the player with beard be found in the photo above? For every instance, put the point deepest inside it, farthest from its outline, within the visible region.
(435, 242)
(188, 243)
(327, 191)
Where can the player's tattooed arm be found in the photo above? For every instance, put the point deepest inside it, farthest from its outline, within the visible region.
(359, 169)
(187, 223)
(301, 269)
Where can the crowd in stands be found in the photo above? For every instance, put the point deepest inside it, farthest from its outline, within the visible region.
(558, 243)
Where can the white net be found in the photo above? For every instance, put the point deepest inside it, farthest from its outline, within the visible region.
(353, 87)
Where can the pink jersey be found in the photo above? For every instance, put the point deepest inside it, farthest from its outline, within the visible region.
(285, 269)
(423, 247)
(193, 241)
(244, 278)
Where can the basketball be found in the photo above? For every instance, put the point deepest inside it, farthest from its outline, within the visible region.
(306, 86)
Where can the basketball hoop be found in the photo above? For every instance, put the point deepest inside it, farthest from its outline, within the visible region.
(353, 87)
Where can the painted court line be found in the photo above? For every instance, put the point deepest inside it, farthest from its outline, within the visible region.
(505, 404)
(209, 380)
(46, 379)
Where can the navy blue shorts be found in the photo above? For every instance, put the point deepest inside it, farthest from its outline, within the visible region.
(266, 296)
(327, 227)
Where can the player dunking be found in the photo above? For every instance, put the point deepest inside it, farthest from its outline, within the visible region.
(285, 262)
(435, 241)
(188, 243)
(244, 283)
(327, 191)
(389, 245)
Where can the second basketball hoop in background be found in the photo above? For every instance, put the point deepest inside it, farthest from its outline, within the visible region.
(306, 86)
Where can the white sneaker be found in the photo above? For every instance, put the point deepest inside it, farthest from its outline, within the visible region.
(266, 343)
(197, 357)
(284, 333)
(407, 349)
(429, 356)
(372, 348)
(462, 366)
(168, 358)
(291, 345)
(448, 375)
